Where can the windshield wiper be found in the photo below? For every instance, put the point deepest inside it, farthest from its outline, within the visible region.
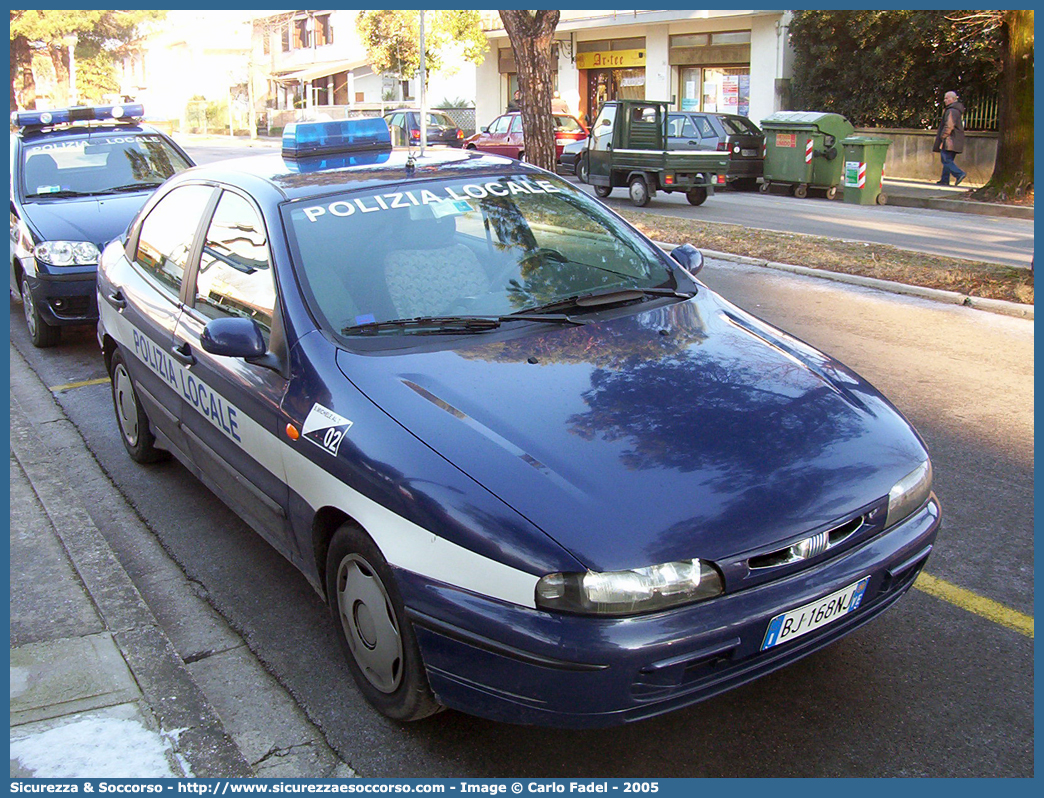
(616, 296)
(65, 192)
(454, 324)
(130, 187)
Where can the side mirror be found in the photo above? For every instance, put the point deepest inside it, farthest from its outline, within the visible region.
(689, 257)
(485, 128)
(233, 337)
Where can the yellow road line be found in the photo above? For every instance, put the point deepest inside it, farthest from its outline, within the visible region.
(972, 602)
(81, 384)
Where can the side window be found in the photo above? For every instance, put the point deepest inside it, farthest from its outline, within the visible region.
(235, 274)
(705, 128)
(688, 129)
(516, 124)
(674, 125)
(167, 233)
(500, 124)
(602, 132)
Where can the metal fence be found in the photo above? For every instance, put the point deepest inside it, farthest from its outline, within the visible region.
(980, 111)
(464, 118)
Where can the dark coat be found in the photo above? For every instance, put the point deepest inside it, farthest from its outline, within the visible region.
(951, 129)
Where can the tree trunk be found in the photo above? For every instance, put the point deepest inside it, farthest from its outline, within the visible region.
(530, 33)
(22, 66)
(1013, 170)
(60, 61)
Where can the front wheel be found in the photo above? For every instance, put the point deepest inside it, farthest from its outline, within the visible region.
(42, 334)
(801, 191)
(376, 637)
(639, 192)
(581, 170)
(130, 415)
(831, 192)
(602, 191)
(697, 195)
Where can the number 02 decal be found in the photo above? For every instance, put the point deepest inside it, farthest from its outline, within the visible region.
(325, 428)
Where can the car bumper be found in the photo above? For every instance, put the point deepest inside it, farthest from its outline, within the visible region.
(65, 299)
(740, 169)
(520, 665)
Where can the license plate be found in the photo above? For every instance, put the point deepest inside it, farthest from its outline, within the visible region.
(795, 623)
(749, 153)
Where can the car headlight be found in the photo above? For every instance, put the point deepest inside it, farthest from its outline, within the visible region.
(630, 592)
(66, 253)
(909, 493)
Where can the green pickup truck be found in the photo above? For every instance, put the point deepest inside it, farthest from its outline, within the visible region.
(628, 147)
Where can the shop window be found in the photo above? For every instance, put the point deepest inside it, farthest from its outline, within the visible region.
(726, 90)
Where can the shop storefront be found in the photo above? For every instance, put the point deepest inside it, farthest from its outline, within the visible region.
(713, 71)
(610, 69)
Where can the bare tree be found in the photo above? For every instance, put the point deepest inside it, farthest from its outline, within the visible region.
(530, 33)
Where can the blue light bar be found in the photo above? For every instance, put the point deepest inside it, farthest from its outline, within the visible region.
(302, 139)
(88, 113)
(321, 163)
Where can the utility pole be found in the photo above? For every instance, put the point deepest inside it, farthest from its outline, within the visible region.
(423, 98)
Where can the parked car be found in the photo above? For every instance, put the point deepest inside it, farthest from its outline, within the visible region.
(78, 176)
(503, 135)
(405, 126)
(569, 158)
(537, 470)
(736, 135)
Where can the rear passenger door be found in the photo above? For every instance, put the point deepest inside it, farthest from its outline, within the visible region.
(140, 300)
(681, 133)
(230, 408)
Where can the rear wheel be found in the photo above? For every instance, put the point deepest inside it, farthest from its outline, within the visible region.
(638, 191)
(831, 192)
(697, 195)
(602, 191)
(41, 333)
(764, 187)
(130, 415)
(581, 170)
(376, 637)
(882, 198)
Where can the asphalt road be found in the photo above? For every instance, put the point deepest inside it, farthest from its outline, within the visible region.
(928, 689)
(986, 238)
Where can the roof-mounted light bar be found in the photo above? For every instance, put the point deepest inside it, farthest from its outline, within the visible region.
(124, 112)
(304, 139)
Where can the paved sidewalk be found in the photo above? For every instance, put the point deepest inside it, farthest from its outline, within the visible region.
(99, 681)
(920, 194)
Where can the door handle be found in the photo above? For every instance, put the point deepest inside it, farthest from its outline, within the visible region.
(183, 354)
(116, 299)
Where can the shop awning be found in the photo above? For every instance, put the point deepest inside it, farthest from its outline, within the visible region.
(315, 71)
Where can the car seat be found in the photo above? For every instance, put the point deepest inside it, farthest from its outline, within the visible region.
(432, 273)
(41, 170)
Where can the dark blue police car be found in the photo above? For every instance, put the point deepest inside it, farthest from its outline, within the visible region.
(539, 471)
(78, 176)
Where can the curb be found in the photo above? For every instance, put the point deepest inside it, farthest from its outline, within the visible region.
(167, 687)
(961, 206)
(1000, 306)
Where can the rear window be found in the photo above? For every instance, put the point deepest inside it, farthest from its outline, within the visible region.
(739, 126)
(99, 164)
(566, 123)
(440, 120)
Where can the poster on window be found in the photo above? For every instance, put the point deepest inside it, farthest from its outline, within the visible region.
(744, 95)
(730, 94)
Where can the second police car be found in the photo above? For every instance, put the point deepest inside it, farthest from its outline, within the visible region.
(78, 176)
(539, 472)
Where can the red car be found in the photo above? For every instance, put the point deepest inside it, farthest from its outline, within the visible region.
(504, 135)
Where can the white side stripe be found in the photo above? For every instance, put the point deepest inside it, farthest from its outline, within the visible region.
(403, 543)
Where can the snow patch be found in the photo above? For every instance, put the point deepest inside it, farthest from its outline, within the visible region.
(95, 747)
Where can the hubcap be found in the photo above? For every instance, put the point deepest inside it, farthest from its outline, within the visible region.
(638, 192)
(369, 623)
(126, 404)
(28, 307)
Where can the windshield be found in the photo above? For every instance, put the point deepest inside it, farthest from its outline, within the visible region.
(566, 123)
(98, 164)
(492, 245)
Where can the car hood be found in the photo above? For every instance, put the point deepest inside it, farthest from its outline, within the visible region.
(693, 430)
(95, 219)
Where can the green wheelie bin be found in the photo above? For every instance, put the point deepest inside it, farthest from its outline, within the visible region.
(802, 150)
(864, 169)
